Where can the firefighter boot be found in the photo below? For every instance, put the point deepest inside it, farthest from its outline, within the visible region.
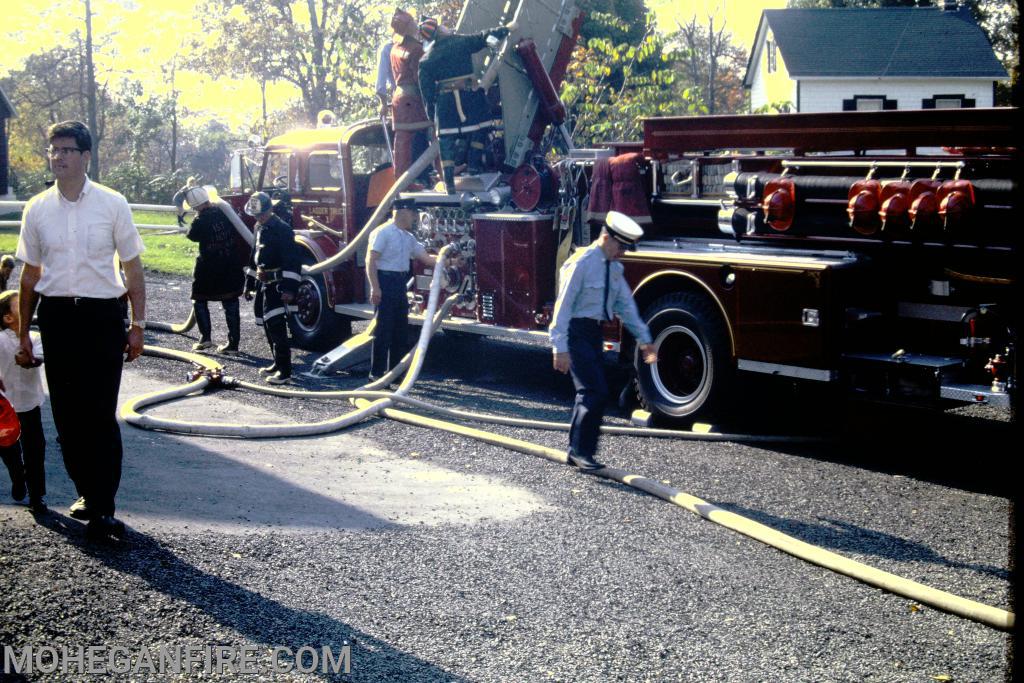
(234, 322)
(449, 179)
(475, 155)
(277, 332)
(202, 311)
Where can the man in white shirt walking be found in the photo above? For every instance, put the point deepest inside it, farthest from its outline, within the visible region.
(70, 235)
(392, 248)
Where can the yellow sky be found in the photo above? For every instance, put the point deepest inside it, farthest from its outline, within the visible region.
(146, 34)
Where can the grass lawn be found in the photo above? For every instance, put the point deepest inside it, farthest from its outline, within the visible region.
(165, 253)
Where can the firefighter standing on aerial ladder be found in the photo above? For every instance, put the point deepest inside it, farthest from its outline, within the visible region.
(449, 89)
(410, 118)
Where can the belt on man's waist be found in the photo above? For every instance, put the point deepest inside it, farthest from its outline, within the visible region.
(456, 83)
(77, 300)
(393, 273)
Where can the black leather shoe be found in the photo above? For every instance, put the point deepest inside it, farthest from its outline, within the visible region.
(37, 506)
(103, 527)
(584, 462)
(80, 509)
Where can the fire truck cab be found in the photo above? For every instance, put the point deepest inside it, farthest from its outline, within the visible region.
(326, 182)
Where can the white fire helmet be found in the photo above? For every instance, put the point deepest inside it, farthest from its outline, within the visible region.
(196, 197)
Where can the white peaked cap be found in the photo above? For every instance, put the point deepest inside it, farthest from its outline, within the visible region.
(623, 228)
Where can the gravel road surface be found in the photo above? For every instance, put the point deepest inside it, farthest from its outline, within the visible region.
(434, 557)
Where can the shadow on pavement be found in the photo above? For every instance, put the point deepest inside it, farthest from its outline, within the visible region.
(844, 537)
(257, 618)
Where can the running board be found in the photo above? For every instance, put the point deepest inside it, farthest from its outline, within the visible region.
(468, 325)
(354, 350)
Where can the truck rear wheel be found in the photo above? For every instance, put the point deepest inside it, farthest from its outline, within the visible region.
(315, 326)
(693, 376)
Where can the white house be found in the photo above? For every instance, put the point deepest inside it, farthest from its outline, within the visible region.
(851, 59)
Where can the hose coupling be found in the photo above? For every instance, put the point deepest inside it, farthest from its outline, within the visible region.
(212, 375)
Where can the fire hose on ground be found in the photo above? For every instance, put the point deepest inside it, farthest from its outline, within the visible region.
(371, 401)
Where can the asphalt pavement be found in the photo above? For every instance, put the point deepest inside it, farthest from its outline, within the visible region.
(435, 557)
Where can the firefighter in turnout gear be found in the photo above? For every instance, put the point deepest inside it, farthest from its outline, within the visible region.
(273, 278)
(449, 90)
(218, 274)
(410, 122)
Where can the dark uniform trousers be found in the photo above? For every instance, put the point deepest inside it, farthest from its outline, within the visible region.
(391, 333)
(269, 308)
(587, 368)
(83, 347)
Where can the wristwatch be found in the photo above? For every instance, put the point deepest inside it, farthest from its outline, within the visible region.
(141, 324)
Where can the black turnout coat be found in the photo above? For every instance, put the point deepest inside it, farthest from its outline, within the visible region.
(218, 273)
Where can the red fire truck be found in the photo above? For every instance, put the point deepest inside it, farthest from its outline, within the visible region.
(871, 251)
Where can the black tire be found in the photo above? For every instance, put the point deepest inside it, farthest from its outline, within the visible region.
(694, 374)
(315, 326)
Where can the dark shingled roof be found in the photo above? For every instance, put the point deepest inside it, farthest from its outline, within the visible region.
(891, 42)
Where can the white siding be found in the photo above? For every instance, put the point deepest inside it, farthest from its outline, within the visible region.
(758, 94)
(828, 94)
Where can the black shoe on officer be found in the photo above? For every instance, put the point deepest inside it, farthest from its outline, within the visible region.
(584, 462)
(104, 527)
(37, 505)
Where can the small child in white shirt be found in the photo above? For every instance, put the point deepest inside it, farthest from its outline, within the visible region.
(24, 389)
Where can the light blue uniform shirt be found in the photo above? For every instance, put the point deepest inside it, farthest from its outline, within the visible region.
(581, 295)
(385, 78)
(396, 247)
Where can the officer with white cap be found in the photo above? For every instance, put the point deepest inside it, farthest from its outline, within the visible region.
(592, 290)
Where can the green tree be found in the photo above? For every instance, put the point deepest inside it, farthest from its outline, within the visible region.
(604, 108)
(46, 90)
(325, 49)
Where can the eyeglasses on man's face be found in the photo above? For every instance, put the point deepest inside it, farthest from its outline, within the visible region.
(62, 151)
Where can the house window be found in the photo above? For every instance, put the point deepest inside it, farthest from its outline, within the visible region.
(947, 102)
(772, 57)
(869, 103)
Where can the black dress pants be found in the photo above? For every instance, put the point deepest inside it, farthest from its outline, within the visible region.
(586, 364)
(83, 347)
(391, 333)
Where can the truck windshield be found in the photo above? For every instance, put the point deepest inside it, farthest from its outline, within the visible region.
(242, 171)
(276, 174)
(367, 159)
(324, 172)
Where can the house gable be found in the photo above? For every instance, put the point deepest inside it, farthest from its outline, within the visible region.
(767, 75)
(924, 42)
